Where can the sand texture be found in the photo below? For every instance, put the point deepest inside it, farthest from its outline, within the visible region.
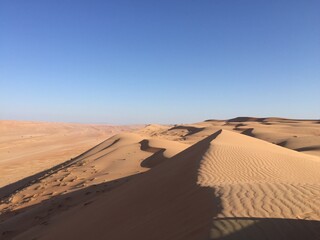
(243, 178)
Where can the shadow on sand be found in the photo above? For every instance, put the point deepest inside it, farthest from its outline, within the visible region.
(265, 229)
(191, 130)
(164, 203)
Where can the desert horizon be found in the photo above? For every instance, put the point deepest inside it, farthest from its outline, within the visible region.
(159, 120)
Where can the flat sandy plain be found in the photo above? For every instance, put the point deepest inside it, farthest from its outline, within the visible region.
(243, 178)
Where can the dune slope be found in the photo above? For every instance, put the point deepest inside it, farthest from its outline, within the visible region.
(299, 135)
(225, 186)
(27, 148)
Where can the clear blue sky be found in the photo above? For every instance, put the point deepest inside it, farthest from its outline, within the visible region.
(161, 61)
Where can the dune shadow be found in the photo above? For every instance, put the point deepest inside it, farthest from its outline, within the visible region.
(156, 158)
(237, 126)
(265, 229)
(191, 130)
(144, 146)
(248, 132)
(266, 123)
(165, 202)
(246, 119)
(283, 143)
(309, 148)
(40, 213)
(182, 206)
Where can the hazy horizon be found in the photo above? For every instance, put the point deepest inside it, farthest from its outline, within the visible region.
(125, 62)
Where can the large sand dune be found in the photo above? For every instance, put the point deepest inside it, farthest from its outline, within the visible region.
(208, 180)
(29, 147)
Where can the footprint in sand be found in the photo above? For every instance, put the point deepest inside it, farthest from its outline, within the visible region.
(48, 194)
(14, 199)
(27, 198)
(78, 185)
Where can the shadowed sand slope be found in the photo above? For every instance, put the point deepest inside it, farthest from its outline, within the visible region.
(163, 203)
(224, 186)
(101, 169)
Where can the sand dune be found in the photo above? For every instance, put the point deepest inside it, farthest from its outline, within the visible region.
(207, 180)
(299, 135)
(258, 180)
(29, 147)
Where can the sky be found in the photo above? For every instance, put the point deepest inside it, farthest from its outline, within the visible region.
(165, 61)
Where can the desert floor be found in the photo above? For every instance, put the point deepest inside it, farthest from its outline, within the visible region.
(243, 178)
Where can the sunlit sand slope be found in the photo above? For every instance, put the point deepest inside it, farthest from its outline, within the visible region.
(29, 147)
